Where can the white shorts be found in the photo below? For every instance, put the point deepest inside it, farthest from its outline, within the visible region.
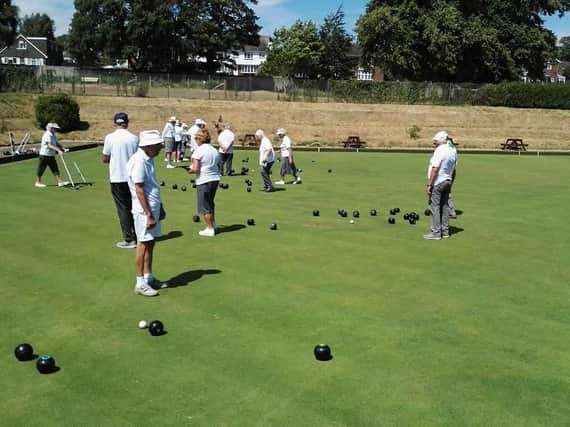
(144, 234)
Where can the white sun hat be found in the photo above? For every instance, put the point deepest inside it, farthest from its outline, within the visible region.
(150, 137)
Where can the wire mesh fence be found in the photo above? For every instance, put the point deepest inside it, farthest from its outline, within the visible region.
(123, 83)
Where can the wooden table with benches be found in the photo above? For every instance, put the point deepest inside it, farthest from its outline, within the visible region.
(515, 144)
(249, 140)
(353, 141)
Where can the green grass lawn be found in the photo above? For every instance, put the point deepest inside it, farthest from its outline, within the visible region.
(473, 330)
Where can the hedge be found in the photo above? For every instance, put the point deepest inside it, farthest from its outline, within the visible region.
(61, 108)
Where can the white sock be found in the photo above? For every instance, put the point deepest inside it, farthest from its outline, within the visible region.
(140, 281)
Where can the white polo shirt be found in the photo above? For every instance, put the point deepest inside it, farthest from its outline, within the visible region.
(209, 164)
(192, 132)
(168, 131)
(285, 146)
(48, 138)
(266, 152)
(225, 138)
(140, 168)
(178, 133)
(445, 158)
(120, 146)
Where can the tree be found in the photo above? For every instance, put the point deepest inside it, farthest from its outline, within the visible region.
(159, 34)
(458, 40)
(564, 50)
(8, 22)
(335, 61)
(38, 25)
(212, 28)
(294, 51)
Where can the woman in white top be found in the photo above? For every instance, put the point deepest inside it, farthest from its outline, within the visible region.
(287, 163)
(206, 164)
(48, 149)
(266, 159)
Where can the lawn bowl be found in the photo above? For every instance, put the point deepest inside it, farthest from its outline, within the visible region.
(46, 365)
(322, 353)
(24, 352)
(156, 328)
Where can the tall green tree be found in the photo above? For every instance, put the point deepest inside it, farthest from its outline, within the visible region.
(564, 50)
(212, 28)
(8, 22)
(335, 62)
(294, 51)
(38, 25)
(458, 40)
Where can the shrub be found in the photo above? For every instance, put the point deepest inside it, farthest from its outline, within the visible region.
(527, 95)
(61, 108)
(414, 132)
(141, 90)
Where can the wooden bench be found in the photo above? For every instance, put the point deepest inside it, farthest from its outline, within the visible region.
(353, 141)
(249, 140)
(515, 144)
(89, 79)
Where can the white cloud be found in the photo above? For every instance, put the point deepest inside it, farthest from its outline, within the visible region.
(60, 11)
(269, 3)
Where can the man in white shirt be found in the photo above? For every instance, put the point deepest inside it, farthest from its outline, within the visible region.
(226, 143)
(287, 163)
(177, 140)
(147, 209)
(266, 159)
(198, 124)
(168, 135)
(48, 149)
(118, 148)
(440, 172)
(206, 164)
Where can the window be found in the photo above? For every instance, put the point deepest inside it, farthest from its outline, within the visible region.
(248, 55)
(22, 44)
(247, 69)
(262, 55)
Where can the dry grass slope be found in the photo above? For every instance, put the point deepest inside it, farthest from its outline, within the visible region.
(383, 125)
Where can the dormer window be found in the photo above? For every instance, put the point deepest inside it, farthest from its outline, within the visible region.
(248, 55)
(22, 44)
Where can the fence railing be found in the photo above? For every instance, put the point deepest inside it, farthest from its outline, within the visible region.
(102, 82)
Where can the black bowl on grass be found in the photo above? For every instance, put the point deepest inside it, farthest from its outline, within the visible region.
(322, 352)
(156, 328)
(392, 220)
(316, 212)
(196, 218)
(46, 365)
(24, 352)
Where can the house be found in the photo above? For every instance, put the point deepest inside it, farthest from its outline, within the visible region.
(554, 72)
(248, 59)
(37, 51)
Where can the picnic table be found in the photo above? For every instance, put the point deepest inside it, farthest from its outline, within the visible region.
(516, 144)
(353, 141)
(249, 139)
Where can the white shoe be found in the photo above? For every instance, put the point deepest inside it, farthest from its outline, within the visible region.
(62, 183)
(185, 159)
(40, 185)
(207, 232)
(281, 182)
(170, 166)
(145, 290)
(297, 181)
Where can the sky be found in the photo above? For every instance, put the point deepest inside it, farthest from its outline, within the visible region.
(272, 13)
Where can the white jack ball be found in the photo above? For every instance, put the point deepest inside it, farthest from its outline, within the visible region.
(142, 324)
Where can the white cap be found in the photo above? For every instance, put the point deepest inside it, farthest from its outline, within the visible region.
(259, 133)
(200, 122)
(441, 137)
(281, 131)
(172, 119)
(150, 137)
(52, 125)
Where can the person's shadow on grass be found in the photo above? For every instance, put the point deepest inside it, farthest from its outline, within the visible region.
(455, 230)
(229, 228)
(170, 235)
(184, 279)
